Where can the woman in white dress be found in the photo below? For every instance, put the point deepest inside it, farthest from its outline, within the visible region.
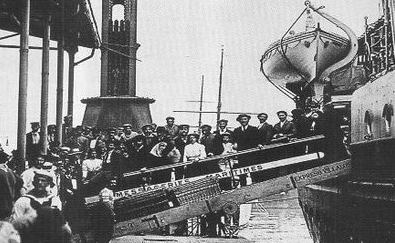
(194, 151)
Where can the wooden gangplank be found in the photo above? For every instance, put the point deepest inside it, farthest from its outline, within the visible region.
(230, 200)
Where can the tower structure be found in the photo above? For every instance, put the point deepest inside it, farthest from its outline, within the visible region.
(118, 103)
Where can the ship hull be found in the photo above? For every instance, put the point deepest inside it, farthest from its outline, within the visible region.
(333, 213)
(360, 207)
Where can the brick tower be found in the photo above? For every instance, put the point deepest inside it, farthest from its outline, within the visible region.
(118, 103)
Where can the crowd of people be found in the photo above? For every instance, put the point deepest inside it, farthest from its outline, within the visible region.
(31, 199)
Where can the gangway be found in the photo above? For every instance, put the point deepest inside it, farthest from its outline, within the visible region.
(229, 201)
(151, 207)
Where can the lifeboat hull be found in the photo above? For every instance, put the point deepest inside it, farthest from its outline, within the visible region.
(307, 55)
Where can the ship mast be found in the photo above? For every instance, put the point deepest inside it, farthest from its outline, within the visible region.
(201, 102)
(220, 87)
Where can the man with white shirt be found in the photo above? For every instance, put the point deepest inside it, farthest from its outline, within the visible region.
(33, 142)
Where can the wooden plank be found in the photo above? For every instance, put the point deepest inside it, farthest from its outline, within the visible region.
(234, 198)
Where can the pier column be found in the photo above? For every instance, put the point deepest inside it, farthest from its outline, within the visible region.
(106, 17)
(71, 50)
(44, 86)
(23, 80)
(60, 71)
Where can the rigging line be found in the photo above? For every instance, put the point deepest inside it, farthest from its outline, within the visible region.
(277, 87)
(114, 44)
(283, 51)
(119, 53)
(94, 21)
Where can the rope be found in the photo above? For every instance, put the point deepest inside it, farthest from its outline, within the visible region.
(94, 21)
(119, 53)
(283, 52)
(277, 87)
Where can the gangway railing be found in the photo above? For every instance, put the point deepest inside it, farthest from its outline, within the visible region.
(260, 165)
(230, 155)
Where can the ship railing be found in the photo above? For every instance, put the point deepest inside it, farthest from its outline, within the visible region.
(271, 146)
(376, 53)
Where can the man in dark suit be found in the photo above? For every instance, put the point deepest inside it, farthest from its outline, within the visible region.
(33, 142)
(182, 139)
(112, 159)
(265, 130)
(150, 138)
(245, 137)
(207, 139)
(284, 128)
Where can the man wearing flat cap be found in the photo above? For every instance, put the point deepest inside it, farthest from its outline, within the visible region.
(128, 133)
(284, 128)
(207, 139)
(33, 142)
(171, 128)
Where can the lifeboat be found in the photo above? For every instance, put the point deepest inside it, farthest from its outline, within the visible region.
(303, 57)
(302, 65)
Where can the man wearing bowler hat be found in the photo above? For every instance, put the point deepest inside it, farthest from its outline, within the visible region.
(245, 137)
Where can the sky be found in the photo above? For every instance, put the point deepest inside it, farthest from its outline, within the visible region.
(181, 40)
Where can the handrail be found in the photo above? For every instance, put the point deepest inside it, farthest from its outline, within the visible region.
(218, 157)
(353, 43)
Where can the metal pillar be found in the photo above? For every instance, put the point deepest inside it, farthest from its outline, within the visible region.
(70, 103)
(60, 70)
(134, 46)
(23, 79)
(106, 18)
(44, 86)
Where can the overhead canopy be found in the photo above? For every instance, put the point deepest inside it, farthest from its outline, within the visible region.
(79, 26)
